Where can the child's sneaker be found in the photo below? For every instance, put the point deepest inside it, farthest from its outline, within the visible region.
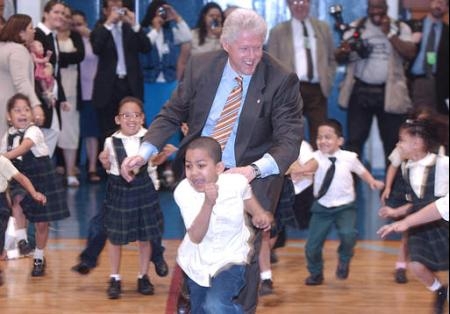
(24, 247)
(38, 267)
(400, 276)
(144, 286)
(114, 289)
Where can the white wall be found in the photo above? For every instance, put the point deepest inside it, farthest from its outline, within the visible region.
(33, 8)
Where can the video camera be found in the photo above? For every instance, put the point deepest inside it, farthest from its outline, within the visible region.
(357, 44)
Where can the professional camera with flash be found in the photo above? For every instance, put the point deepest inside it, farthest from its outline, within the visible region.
(357, 44)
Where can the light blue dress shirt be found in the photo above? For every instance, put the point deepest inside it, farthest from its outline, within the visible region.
(417, 68)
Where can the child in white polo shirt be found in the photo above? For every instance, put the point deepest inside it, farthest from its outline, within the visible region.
(216, 246)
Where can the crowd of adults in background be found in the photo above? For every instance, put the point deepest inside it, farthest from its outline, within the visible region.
(181, 75)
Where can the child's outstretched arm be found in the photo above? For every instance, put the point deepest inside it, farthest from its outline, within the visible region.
(371, 181)
(389, 212)
(390, 176)
(26, 183)
(103, 157)
(427, 214)
(261, 218)
(298, 171)
(20, 150)
(200, 224)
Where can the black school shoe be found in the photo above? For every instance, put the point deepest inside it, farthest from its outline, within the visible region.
(266, 287)
(38, 268)
(342, 270)
(314, 280)
(400, 276)
(440, 298)
(82, 268)
(24, 247)
(144, 286)
(161, 267)
(114, 290)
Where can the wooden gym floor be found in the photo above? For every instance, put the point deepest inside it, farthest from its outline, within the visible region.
(370, 287)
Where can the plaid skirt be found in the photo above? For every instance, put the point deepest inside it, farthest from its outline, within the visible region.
(284, 213)
(132, 210)
(428, 245)
(42, 174)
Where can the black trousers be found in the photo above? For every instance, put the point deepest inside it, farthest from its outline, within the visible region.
(367, 102)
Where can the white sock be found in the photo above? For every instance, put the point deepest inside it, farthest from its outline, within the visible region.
(21, 234)
(400, 265)
(140, 276)
(38, 254)
(115, 276)
(266, 275)
(435, 286)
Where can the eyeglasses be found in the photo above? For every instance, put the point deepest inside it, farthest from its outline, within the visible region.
(130, 115)
(298, 2)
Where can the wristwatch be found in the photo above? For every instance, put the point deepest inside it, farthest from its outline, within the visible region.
(256, 171)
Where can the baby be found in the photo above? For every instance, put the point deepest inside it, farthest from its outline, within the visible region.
(43, 72)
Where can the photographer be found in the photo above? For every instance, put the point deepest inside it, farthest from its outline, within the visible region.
(375, 49)
(206, 34)
(171, 37)
(117, 41)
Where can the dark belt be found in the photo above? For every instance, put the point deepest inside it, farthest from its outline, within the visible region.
(306, 83)
(420, 76)
(362, 83)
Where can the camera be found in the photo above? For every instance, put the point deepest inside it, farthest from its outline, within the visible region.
(121, 11)
(215, 23)
(162, 12)
(356, 43)
(416, 26)
(336, 12)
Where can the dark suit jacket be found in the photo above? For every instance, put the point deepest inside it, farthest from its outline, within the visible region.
(270, 121)
(48, 43)
(103, 46)
(442, 66)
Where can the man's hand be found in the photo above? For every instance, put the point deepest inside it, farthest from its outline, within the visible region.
(39, 116)
(129, 17)
(129, 166)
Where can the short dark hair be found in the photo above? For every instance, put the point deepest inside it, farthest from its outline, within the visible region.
(135, 100)
(12, 101)
(14, 25)
(208, 144)
(335, 125)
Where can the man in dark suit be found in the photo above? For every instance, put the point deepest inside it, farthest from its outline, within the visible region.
(117, 40)
(266, 136)
(429, 72)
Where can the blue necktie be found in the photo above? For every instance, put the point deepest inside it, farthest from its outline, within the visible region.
(117, 35)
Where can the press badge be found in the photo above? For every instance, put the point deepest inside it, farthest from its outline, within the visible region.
(431, 57)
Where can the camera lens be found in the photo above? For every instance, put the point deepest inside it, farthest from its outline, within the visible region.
(215, 23)
(162, 12)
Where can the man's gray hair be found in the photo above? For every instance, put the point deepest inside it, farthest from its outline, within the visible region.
(241, 20)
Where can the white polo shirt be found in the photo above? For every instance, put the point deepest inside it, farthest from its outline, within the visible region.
(226, 241)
